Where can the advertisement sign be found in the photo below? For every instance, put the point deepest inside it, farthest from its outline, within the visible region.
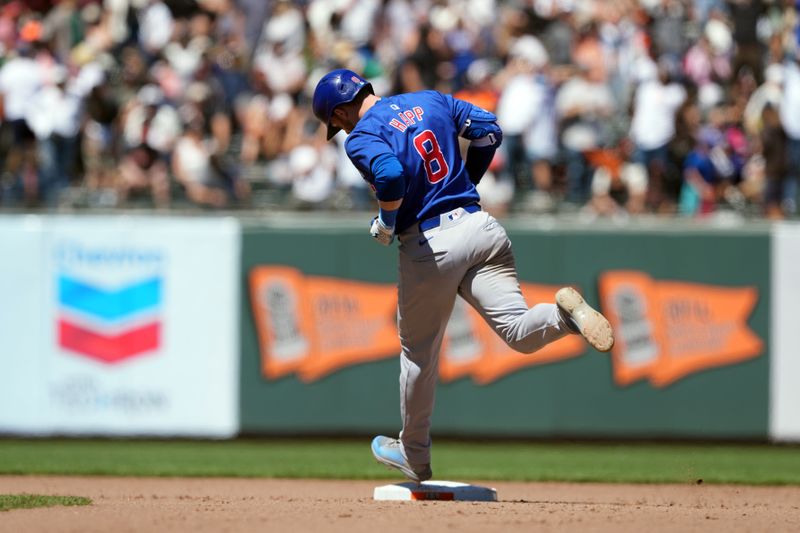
(138, 325)
(22, 399)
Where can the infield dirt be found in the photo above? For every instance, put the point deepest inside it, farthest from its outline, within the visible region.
(215, 505)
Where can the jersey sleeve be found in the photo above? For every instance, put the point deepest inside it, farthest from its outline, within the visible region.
(463, 112)
(459, 109)
(362, 148)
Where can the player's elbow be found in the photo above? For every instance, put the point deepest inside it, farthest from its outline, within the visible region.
(493, 138)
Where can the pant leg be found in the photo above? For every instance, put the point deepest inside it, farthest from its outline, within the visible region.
(427, 288)
(576, 171)
(472, 257)
(491, 286)
(47, 170)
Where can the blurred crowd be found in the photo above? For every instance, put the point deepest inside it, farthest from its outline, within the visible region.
(609, 107)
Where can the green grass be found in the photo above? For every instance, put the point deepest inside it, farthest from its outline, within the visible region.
(351, 459)
(29, 501)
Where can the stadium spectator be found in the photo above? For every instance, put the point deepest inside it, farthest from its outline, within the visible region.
(54, 114)
(352, 191)
(584, 106)
(199, 168)
(155, 28)
(688, 121)
(279, 56)
(656, 101)
(669, 19)
(559, 34)
(150, 128)
(255, 60)
(618, 185)
(479, 88)
(773, 144)
(99, 143)
(497, 186)
(768, 93)
(749, 51)
(700, 180)
(526, 113)
(790, 119)
(707, 61)
(20, 78)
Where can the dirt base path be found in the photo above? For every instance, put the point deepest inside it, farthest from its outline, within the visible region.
(214, 505)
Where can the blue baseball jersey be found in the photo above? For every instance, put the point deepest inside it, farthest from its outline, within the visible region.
(420, 129)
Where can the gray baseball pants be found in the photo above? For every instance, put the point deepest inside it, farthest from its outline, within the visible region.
(469, 255)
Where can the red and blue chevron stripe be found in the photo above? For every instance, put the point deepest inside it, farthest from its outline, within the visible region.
(109, 325)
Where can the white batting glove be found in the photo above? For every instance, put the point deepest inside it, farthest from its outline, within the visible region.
(381, 232)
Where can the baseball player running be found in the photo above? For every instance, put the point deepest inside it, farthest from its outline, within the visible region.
(406, 147)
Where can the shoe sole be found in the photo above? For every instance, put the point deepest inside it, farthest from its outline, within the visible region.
(415, 478)
(594, 327)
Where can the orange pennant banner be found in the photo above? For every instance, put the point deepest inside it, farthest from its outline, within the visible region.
(312, 326)
(666, 330)
(282, 317)
(353, 322)
(472, 347)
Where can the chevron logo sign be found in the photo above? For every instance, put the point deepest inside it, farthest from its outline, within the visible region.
(109, 325)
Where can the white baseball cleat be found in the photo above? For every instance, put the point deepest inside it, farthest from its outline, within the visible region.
(589, 322)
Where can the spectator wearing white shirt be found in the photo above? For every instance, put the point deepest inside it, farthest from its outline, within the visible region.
(279, 57)
(355, 193)
(526, 112)
(185, 52)
(584, 106)
(193, 168)
(769, 93)
(155, 27)
(655, 104)
(150, 129)
(54, 115)
(311, 172)
(20, 77)
(198, 166)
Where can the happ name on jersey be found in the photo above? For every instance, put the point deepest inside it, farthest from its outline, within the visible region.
(408, 117)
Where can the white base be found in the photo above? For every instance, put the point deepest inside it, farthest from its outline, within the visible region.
(435, 490)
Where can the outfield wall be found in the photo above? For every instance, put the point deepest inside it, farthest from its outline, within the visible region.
(216, 326)
(692, 310)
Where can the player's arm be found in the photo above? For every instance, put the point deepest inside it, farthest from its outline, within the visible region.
(480, 127)
(390, 187)
(383, 170)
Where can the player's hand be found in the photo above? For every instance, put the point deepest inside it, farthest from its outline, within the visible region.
(381, 232)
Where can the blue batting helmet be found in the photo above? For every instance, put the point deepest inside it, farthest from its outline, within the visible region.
(334, 89)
